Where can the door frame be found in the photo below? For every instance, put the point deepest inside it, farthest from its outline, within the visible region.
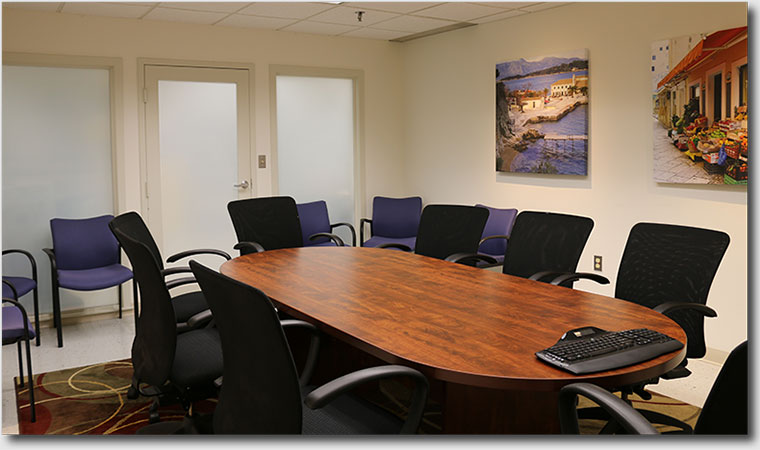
(142, 114)
(357, 76)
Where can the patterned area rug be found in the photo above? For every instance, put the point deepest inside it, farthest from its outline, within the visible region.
(93, 400)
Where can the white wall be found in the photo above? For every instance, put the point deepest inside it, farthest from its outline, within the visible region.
(68, 34)
(450, 131)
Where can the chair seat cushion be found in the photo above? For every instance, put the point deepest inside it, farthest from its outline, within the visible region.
(188, 305)
(374, 241)
(13, 325)
(348, 414)
(94, 279)
(21, 284)
(198, 358)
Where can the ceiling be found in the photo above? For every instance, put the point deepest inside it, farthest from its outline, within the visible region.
(392, 21)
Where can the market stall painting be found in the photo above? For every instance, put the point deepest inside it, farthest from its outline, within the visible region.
(542, 114)
(699, 99)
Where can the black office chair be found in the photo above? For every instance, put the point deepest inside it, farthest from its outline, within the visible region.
(447, 230)
(725, 410)
(182, 366)
(670, 269)
(269, 223)
(262, 393)
(187, 306)
(542, 245)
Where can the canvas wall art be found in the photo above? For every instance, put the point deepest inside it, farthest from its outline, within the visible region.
(699, 107)
(542, 114)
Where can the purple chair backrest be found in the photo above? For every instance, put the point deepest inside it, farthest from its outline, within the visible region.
(84, 243)
(499, 222)
(314, 219)
(396, 217)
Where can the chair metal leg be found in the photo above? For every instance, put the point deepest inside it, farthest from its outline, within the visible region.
(31, 378)
(36, 317)
(135, 302)
(57, 314)
(119, 288)
(20, 364)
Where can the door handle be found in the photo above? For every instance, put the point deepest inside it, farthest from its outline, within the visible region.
(242, 185)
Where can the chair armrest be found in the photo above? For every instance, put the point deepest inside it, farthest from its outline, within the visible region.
(326, 393)
(171, 284)
(198, 251)
(197, 320)
(175, 270)
(350, 227)
(362, 221)
(462, 257)
(53, 266)
(314, 341)
(667, 307)
(495, 236)
(580, 275)
(403, 247)
(630, 419)
(338, 241)
(253, 246)
(13, 289)
(538, 276)
(29, 256)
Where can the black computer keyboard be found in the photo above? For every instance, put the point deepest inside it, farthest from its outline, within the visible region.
(590, 349)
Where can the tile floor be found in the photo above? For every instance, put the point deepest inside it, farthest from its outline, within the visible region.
(111, 339)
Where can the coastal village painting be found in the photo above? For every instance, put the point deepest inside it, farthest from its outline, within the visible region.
(700, 87)
(542, 114)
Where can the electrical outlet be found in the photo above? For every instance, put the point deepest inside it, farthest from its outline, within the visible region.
(262, 161)
(597, 263)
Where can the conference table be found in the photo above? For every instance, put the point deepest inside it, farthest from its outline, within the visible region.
(475, 331)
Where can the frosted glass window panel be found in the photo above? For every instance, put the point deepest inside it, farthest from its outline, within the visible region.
(199, 159)
(315, 143)
(56, 157)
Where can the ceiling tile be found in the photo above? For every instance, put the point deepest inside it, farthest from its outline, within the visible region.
(347, 16)
(181, 15)
(373, 33)
(39, 6)
(228, 7)
(507, 5)
(105, 9)
(460, 11)
(412, 24)
(397, 7)
(267, 23)
(542, 6)
(500, 16)
(285, 10)
(319, 28)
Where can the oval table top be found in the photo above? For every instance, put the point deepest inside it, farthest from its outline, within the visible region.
(452, 322)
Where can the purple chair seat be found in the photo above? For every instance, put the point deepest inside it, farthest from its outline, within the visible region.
(13, 325)
(374, 241)
(94, 279)
(21, 284)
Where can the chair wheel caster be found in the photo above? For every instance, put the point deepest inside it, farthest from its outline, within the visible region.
(153, 417)
(132, 393)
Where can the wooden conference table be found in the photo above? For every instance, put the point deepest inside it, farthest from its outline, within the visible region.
(475, 330)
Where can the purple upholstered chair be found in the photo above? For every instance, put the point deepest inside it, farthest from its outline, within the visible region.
(85, 257)
(394, 220)
(496, 234)
(17, 328)
(315, 221)
(15, 287)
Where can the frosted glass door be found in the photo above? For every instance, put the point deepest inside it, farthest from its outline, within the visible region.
(315, 143)
(198, 157)
(56, 156)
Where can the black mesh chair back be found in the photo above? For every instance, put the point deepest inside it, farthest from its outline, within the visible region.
(270, 221)
(133, 225)
(545, 241)
(261, 391)
(448, 229)
(726, 409)
(672, 263)
(155, 342)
